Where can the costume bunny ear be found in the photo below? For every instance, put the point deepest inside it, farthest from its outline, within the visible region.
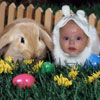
(81, 13)
(47, 39)
(66, 10)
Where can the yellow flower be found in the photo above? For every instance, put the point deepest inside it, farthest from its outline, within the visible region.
(1, 62)
(95, 75)
(62, 80)
(73, 73)
(5, 67)
(74, 68)
(37, 66)
(28, 61)
(98, 72)
(68, 83)
(56, 77)
(9, 59)
(1, 69)
(30, 72)
(91, 79)
(1, 66)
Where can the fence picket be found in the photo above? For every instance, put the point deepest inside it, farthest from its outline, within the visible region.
(29, 11)
(48, 20)
(38, 14)
(92, 19)
(11, 12)
(58, 16)
(20, 11)
(71, 11)
(98, 27)
(2, 15)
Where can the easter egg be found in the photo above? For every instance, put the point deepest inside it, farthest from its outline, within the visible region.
(94, 60)
(23, 80)
(47, 67)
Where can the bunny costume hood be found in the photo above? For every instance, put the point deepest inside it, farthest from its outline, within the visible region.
(80, 19)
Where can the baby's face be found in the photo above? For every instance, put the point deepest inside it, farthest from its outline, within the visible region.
(72, 39)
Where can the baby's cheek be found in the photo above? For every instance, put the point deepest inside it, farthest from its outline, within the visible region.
(80, 48)
(64, 47)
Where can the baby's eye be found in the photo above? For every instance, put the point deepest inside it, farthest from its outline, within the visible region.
(66, 38)
(78, 38)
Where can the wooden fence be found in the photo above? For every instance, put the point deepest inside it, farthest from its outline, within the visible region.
(8, 13)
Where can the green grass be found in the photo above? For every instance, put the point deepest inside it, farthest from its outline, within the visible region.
(46, 88)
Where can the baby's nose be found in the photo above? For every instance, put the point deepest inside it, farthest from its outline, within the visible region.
(71, 41)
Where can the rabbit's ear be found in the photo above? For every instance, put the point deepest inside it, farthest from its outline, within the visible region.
(5, 40)
(47, 39)
(6, 36)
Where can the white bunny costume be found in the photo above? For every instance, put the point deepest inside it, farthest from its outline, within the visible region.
(79, 18)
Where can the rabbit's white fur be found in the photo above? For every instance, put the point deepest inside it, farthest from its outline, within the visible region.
(25, 39)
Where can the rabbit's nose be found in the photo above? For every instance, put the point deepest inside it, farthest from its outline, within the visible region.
(33, 56)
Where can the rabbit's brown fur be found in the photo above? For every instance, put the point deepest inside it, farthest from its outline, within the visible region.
(26, 39)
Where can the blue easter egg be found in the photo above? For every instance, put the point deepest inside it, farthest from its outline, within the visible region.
(94, 60)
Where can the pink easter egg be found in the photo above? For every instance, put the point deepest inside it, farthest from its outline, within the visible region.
(23, 80)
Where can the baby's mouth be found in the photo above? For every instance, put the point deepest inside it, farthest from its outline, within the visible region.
(72, 48)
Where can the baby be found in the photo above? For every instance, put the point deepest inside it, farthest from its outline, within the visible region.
(74, 39)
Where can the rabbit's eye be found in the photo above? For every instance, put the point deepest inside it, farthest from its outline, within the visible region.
(22, 40)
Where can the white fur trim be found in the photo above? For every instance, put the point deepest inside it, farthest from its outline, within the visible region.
(94, 47)
(61, 57)
(79, 18)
